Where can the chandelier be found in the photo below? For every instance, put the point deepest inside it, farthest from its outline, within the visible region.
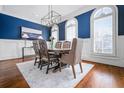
(51, 18)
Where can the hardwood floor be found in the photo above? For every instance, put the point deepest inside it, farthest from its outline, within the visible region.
(10, 75)
(100, 76)
(103, 76)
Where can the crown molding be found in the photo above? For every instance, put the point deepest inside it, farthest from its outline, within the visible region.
(80, 11)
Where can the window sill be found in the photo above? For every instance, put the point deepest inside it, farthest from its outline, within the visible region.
(105, 56)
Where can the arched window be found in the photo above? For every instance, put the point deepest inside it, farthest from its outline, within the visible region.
(71, 28)
(55, 33)
(104, 30)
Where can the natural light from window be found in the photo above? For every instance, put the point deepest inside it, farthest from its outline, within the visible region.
(71, 29)
(103, 31)
(55, 33)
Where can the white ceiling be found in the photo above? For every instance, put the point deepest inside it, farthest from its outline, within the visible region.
(35, 12)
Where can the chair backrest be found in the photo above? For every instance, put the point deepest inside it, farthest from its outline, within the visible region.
(58, 45)
(43, 48)
(36, 47)
(66, 44)
(76, 50)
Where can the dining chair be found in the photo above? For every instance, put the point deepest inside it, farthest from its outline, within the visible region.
(37, 53)
(74, 56)
(58, 44)
(45, 55)
(66, 44)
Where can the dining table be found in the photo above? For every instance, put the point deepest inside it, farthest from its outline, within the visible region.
(59, 52)
(59, 49)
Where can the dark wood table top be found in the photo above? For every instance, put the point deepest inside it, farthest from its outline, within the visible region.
(57, 49)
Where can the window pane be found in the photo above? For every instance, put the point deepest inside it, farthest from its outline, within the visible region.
(71, 22)
(54, 33)
(103, 11)
(55, 28)
(98, 13)
(71, 29)
(107, 10)
(71, 33)
(103, 41)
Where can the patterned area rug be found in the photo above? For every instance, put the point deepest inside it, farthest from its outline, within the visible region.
(39, 79)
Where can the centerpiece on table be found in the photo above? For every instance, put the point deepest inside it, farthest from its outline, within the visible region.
(51, 39)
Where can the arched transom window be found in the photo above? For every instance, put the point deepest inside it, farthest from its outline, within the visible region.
(55, 33)
(71, 29)
(103, 30)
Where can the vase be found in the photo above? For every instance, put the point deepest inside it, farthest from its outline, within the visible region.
(51, 44)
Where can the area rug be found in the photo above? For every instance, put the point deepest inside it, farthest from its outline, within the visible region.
(39, 79)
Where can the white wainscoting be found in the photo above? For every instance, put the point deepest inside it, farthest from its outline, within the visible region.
(117, 61)
(10, 49)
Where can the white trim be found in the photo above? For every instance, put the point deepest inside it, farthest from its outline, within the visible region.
(76, 29)
(115, 32)
(102, 16)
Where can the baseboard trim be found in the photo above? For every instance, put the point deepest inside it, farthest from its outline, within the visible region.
(93, 62)
(17, 58)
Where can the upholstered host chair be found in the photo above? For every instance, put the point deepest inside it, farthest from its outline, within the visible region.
(37, 52)
(58, 45)
(74, 56)
(66, 44)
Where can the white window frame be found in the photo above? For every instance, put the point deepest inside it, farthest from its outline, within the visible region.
(57, 31)
(115, 32)
(76, 29)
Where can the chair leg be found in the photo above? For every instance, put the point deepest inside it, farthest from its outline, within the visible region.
(51, 63)
(39, 63)
(47, 68)
(73, 69)
(60, 66)
(81, 67)
(35, 61)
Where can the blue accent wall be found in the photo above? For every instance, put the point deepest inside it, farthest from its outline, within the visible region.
(62, 30)
(120, 19)
(10, 27)
(84, 24)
